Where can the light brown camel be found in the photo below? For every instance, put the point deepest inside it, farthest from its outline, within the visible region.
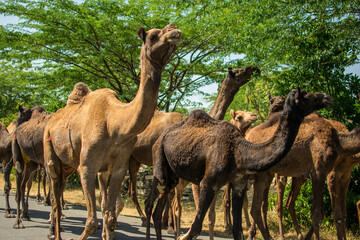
(142, 153)
(276, 105)
(243, 120)
(338, 181)
(314, 154)
(27, 151)
(212, 153)
(95, 132)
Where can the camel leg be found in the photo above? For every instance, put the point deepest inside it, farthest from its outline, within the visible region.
(317, 206)
(27, 181)
(246, 211)
(226, 205)
(358, 210)
(207, 193)
(47, 201)
(280, 186)
(338, 183)
(133, 170)
(176, 206)
(167, 219)
(238, 195)
(212, 216)
(7, 188)
(157, 215)
(114, 205)
(261, 187)
(38, 178)
(212, 212)
(88, 185)
(290, 202)
(149, 205)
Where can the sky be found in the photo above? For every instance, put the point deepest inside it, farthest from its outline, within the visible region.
(210, 89)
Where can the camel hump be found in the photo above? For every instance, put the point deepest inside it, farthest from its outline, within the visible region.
(199, 117)
(80, 91)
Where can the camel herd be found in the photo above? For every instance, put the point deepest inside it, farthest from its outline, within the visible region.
(98, 136)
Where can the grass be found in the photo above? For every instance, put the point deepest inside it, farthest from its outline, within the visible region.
(76, 197)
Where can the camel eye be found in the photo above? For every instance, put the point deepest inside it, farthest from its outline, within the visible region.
(152, 37)
(240, 118)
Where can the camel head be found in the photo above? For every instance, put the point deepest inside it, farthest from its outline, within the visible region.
(276, 104)
(304, 103)
(159, 44)
(242, 119)
(24, 115)
(242, 75)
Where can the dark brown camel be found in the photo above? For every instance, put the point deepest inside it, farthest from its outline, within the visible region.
(212, 153)
(142, 153)
(6, 139)
(5, 158)
(315, 153)
(27, 150)
(96, 133)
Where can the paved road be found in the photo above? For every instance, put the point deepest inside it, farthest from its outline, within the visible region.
(73, 225)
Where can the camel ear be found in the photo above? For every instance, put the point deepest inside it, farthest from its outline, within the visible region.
(269, 97)
(232, 113)
(142, 33)
(230, 71)
(298, 94)
(21, 109)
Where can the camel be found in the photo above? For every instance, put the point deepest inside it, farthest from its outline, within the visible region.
(212, 153)
(142, 152)
(338, 181)
(243, 120)
(6, 156)
(6, 153)
(276, 105)
(318, 143)
(27, 151)
(230, 86)
(95, 132)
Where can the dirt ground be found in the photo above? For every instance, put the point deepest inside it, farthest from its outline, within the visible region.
(75, 196)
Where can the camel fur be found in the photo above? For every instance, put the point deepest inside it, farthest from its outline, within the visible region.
(212, 153)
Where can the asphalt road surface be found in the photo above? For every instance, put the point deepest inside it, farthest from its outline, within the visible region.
(73, 225)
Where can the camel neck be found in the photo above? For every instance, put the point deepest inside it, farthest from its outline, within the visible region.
(143, 105)
(262, 156)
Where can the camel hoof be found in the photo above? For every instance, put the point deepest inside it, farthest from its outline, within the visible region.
(9, 215)
(18, 226)
(63, 216)
(51, 236)
(145, 225)
(228, 232)
(26, 218)
(170, 230)
(99, 225)
(46, 203)
(65, 207)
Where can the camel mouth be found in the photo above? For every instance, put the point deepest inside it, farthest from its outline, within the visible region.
(328, 101)
(174, 37)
